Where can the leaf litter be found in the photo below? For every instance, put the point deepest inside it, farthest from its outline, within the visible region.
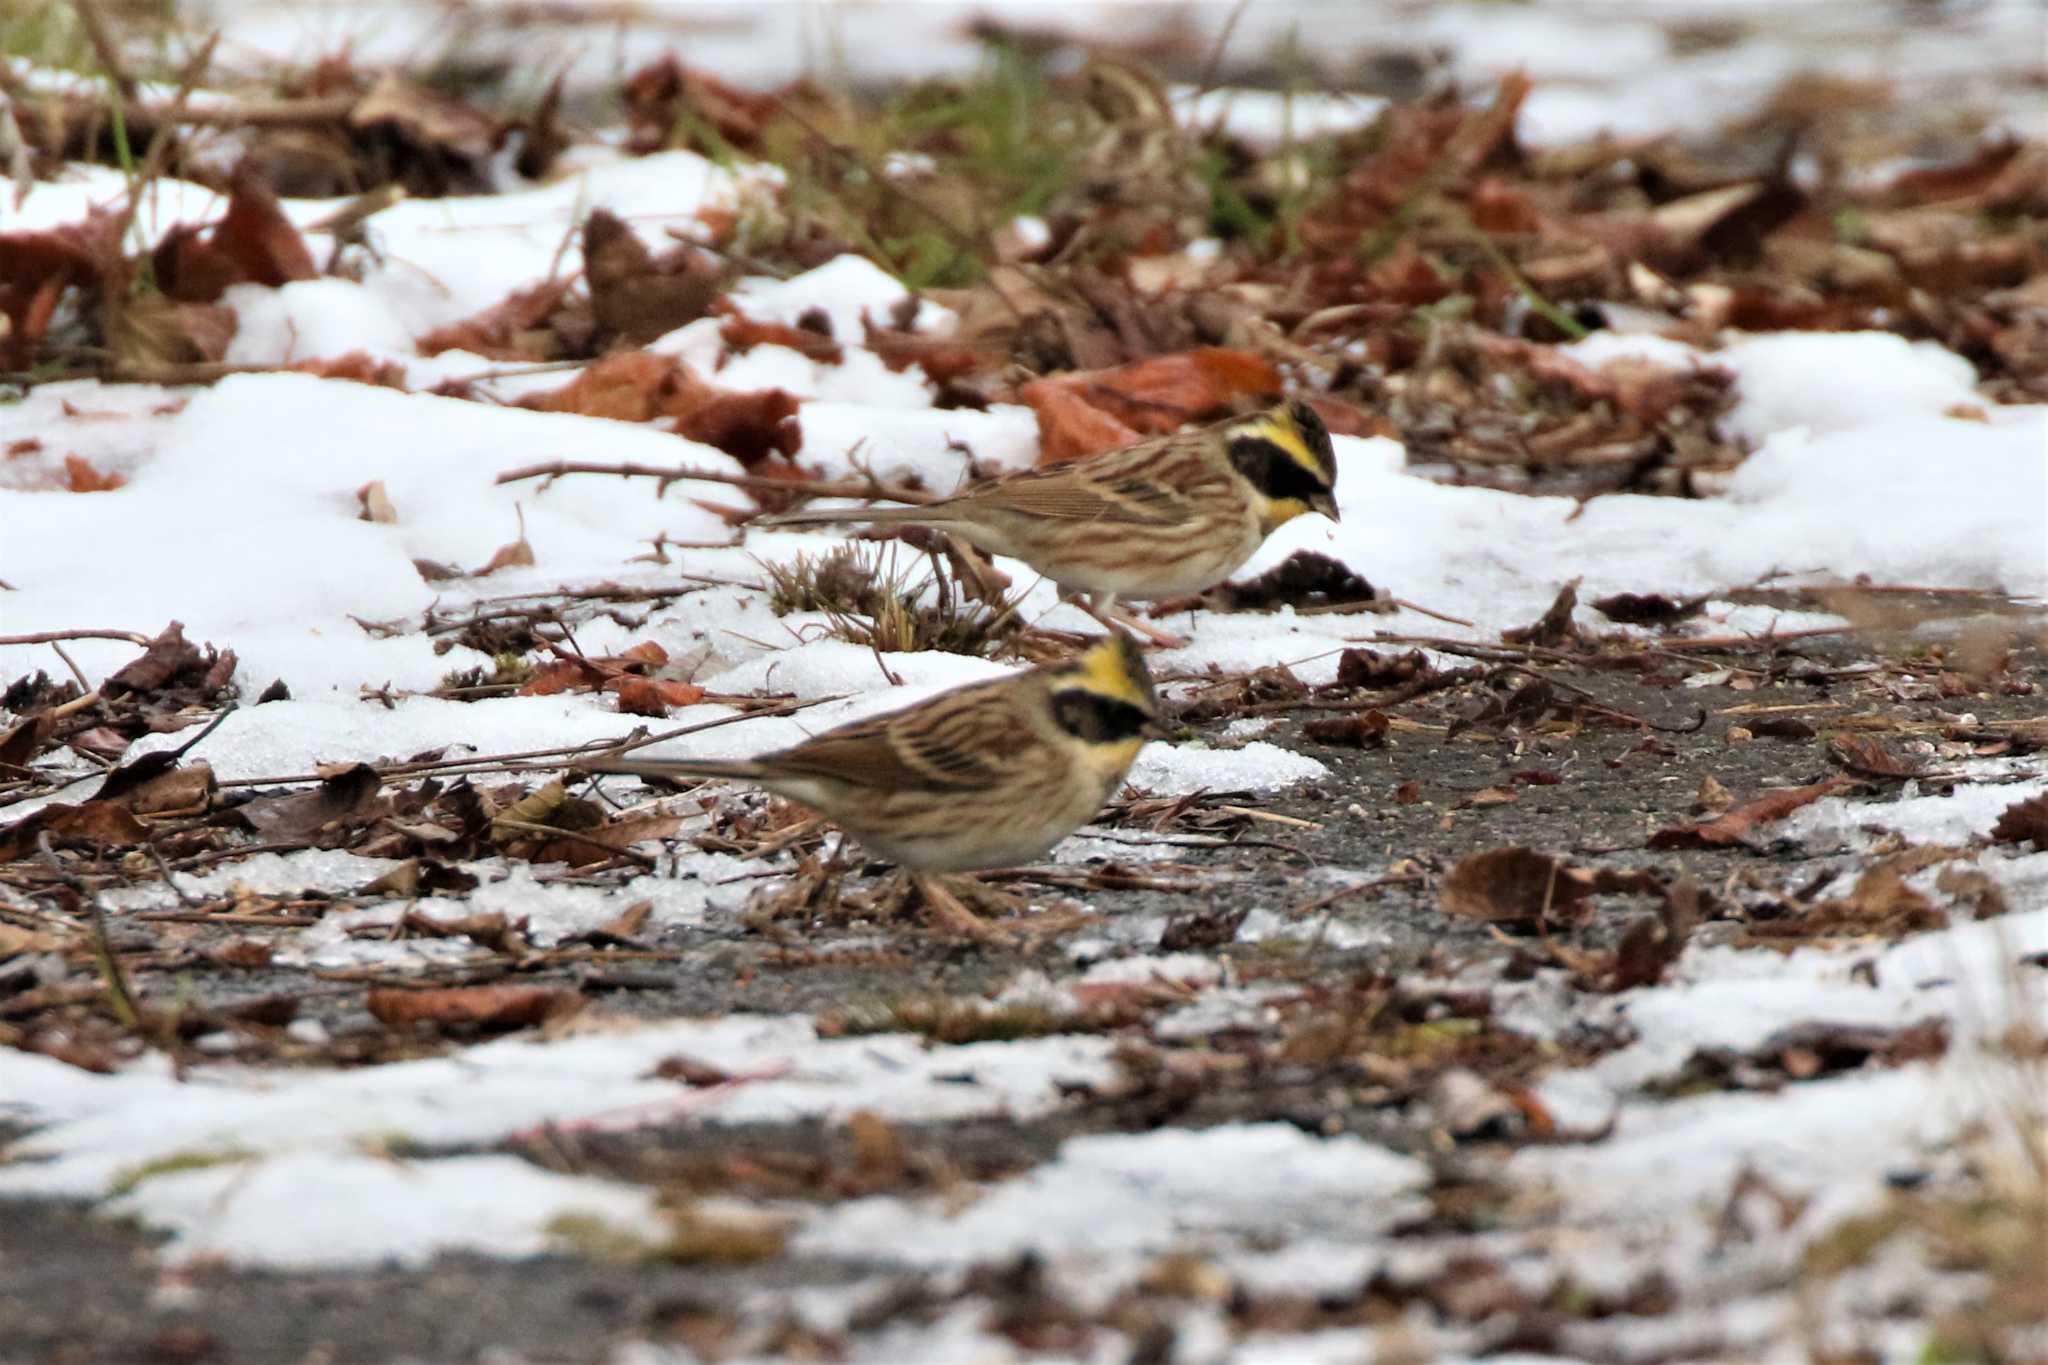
(1429, 280)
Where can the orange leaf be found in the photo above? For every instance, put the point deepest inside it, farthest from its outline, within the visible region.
(512, 330)
(81, 477)
(744, 334)
(1164, 393)
(560, 676)
(628, 386)
(679, 693)
(1068, 426)
(357, 366)
(638, 696)
(1736, 825)
(747, 426)
(476, 1007)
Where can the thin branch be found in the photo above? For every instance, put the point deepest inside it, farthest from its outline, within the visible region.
(49, 637)
(816, 488)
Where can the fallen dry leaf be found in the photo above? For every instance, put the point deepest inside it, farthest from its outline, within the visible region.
(1736, 825)
(749, 426)
(253, 243)
(1514, 886)
(348, 796)
(635, 296)
(169, 654)
(482, 1008)
(2023, 822)
(1862, 754)
(1069, 426)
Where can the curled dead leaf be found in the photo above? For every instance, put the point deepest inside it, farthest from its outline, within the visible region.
(1515, 885)
(1736, 825)
(471, 1008)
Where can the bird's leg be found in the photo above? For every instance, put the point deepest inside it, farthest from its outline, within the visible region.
(951, 913)
(1102, 606)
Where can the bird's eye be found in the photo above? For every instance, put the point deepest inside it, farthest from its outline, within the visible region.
(1097, 719)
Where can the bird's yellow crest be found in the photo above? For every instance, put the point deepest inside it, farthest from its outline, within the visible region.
(1116, 669)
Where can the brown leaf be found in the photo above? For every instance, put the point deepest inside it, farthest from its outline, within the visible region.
(2023, 822)
(659, 94)
(1373, 668)
(1736, 825)
(1555, 626)
(254, 243)
(181, 791)
(81, 477)
(427, 119)
(1304, 578)
(560, 676)
(1069, 427)
(1862, 754)
(22, 743)
(512, 330)
(538, 807)
(688, 1071)
(749, 426)
(480, 1008)
(169, 654)
(635, 296)
(517, 554)
(1712, 798)
(743, 334)
(627, 386)
(1358, 729)
(1514, 886)
(358, 367)
(38, 266)
(1648, 609)
(348, 796)
(106, 823)
(638, 696)
(625, 926)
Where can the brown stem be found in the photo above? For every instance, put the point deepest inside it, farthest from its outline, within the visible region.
(815, 488)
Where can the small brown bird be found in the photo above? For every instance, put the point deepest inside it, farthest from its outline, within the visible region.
(1163, 518)
(989, 775)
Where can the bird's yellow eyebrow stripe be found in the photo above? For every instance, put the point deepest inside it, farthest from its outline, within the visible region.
(1103, 669)
(1285, 435)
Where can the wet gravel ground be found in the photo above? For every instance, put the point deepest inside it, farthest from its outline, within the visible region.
(75, 1288)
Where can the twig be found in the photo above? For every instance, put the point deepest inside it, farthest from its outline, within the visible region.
(556, 832)
(490, 761)
(104, 47)
(196, 372)
(816, 488)
(170, 878)
(50, 637)
(83, 685)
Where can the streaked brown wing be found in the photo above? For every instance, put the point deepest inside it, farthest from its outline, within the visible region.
(954, 744)
(1066, 496)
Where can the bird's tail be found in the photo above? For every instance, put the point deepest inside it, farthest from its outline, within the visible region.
(872, 516)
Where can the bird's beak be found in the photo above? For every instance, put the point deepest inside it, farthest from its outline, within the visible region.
(1159, 728)
(1326, 503)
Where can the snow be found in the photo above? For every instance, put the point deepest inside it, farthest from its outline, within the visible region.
(147, 1125)
(1175, 770)
(1871, 376)
(1103, 1198)
(348, 1210)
